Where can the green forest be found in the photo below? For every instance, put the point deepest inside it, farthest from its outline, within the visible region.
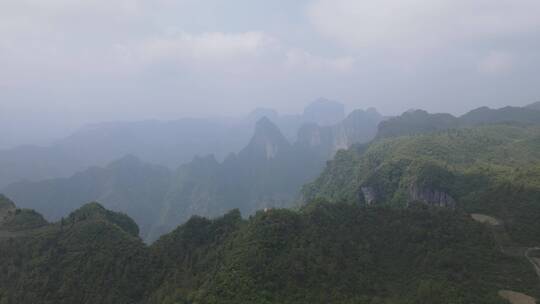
(322, 253)
(396, 220)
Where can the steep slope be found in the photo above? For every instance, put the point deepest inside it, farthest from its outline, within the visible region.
(491, 170)
(358, 127)
(267, 173)
(126, 185)
(267, 142)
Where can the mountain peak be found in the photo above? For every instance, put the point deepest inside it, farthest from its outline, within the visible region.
(533, 106)
(265, 123)
(6, 203)
(260, 113)
(324, 112)
(268, 141)
(95, 211)
(128, 161)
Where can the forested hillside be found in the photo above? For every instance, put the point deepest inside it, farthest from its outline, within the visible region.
(419, 121)
(324, 253)
(492, 169)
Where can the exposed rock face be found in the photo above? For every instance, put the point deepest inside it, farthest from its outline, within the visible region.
(267, 142)
(369, 195)
(359, 127)
(7, 207)
(432, 197)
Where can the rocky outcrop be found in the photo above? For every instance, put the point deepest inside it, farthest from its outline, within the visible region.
(267, 142)
(433, 197)
(359, 127)
(7, 208)
(369, 195)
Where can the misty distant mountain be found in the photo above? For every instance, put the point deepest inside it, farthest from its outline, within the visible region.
(486, 115)
(358, 127)
(419, 121)
(126, 185)
(534, 106)
(267, 173)
(324, 112)
(167, 143)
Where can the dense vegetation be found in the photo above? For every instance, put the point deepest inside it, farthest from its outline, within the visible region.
(419, 121)
(493, 169)
(323, 253)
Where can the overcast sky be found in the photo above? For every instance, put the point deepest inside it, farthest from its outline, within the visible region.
(68, 62)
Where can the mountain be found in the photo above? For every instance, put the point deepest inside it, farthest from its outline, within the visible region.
(533, 106)
(507, 114)
(490, 169)
(13, 219)
(268, 172)
(91, 256)
(322, 253)
(126, 185)
(167, 143)
(267, 142)
(416, 121)
(419, 121)
(437, 216)
(324, 112)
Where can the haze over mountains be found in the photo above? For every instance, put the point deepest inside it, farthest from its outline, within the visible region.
(167, 143)
(267, 173)
(178, 152)
(433, 209)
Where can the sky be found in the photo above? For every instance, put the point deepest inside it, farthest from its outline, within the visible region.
(64, 63)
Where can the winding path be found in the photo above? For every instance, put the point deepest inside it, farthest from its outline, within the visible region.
(531, 260)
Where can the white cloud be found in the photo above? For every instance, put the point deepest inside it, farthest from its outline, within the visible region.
(206, 46)
(60, 39)
(421, 23)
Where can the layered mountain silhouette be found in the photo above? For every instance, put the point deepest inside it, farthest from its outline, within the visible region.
(126, 185)
(267, 173)
(167, 143)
